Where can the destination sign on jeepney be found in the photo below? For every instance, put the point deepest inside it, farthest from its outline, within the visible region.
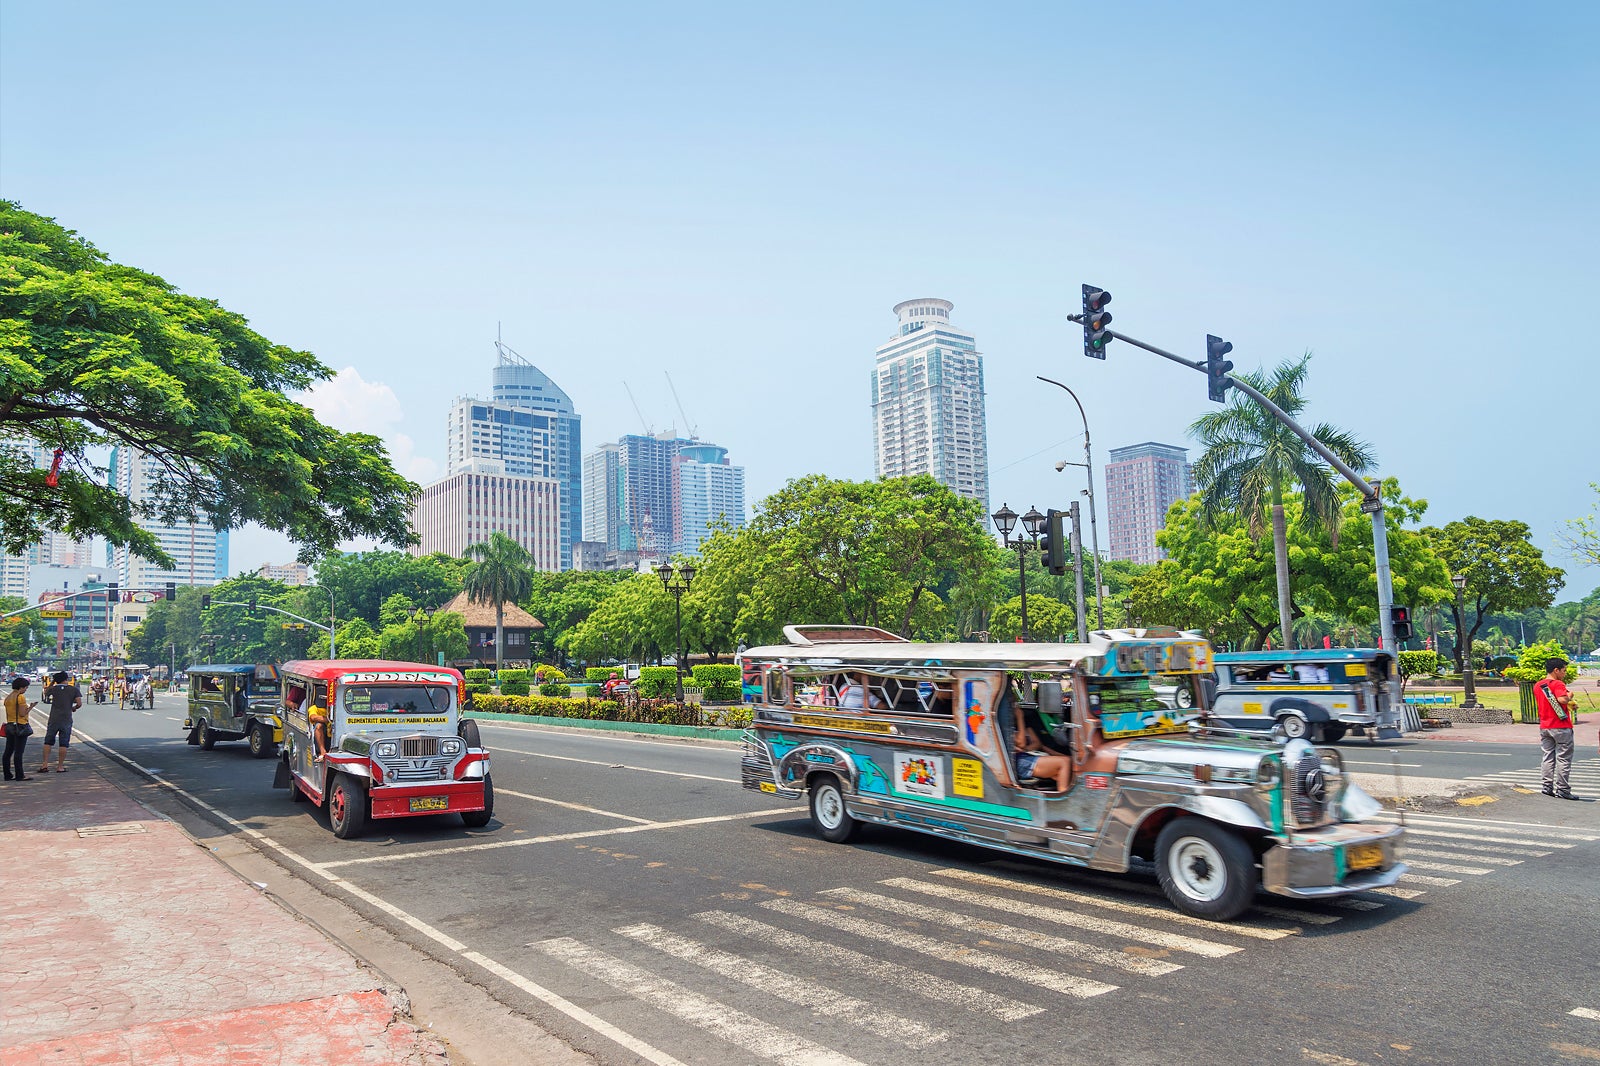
(853, 725)
(389, 719)
(389, 677)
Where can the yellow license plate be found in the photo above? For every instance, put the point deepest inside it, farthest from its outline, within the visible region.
(1363, 856)
(768, 786)
(431, 803)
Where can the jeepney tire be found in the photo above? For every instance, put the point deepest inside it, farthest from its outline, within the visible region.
(468, 729)
(1205, 869)
(347, 808)
(261, 745)
(828, 813)
(1183, 697)
(193, 737)
(1295, 726)
(479, 819)
(1334, 732)
(208, 741)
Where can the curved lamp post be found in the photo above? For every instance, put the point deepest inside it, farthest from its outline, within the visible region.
(676, 582)
(1094, 526)
(1469, 683)
(1005, 520)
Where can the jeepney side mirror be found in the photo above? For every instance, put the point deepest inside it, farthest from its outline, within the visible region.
(1048, 694)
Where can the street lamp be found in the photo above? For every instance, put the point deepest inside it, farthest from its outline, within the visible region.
(1463, 652)
(332, 649)
(421, 617)
(1005, 520)
(1128, 620)
(1088, 470)
(676, 582)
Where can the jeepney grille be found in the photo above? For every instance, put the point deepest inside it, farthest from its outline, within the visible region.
(756, 764)
(1309, 792)
(419, 770)
(419, 747)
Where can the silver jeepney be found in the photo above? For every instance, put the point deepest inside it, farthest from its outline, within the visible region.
(872, 728)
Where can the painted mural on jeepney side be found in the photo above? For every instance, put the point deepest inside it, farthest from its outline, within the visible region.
(919, 775)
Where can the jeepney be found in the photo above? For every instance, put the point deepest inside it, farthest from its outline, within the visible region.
(1321, 695)
(930, 744)
(370, 738)
(235, 701)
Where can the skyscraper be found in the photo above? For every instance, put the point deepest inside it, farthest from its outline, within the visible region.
(518, 383)
(710, 490)
(467, 507)
(199, 553)
(659, 494)
(1142, 481)
(927, 402)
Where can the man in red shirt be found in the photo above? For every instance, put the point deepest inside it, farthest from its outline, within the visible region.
(1555, 729)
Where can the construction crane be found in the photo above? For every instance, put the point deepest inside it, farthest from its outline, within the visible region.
(688, 425)
(649, 430)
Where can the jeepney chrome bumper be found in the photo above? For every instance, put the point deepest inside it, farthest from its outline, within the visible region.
(1316, 864)
(757, 772)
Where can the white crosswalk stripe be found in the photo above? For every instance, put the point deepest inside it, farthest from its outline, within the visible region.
(1535, 834)
(1440, 834)
(1056, 945)
(1444, 867)
(1424, 879)
(1066, 984)
(752, 1034)
(1177, 941)
(1472, 856)
(1585, 1012)
(819, 998)
(875, 970)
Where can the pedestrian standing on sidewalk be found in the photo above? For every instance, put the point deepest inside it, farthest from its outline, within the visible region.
(1555, 729)
(64, 698)
(18, 728)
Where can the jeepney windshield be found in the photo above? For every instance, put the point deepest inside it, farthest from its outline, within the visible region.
(1137, 706)
(265, 684)
(394, 701)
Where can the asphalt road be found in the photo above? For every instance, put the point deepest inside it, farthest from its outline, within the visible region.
(632, 899)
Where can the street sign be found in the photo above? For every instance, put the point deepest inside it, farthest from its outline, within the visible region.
(145, 597)
(53, 612)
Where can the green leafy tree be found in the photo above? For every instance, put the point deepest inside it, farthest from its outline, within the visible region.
(1505, 571)
(1582, 537)
(96, 355)
(1251, 460)
(1048, 620)
(357, 640)
(21, 636)
(503, 573)
(634, 622)
(362, 581)
(563, 600)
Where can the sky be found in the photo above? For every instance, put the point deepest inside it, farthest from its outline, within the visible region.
(738, 194)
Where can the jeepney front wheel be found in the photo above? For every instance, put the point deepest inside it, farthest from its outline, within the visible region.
(347, 808)
(828, 814)
(208, 740)
(1294, 726)
(261, 740)
(1205, 870)
(479, 819)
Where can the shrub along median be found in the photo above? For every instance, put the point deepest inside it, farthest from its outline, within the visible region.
(651, 716)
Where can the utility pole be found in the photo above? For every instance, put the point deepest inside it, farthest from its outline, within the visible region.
(1077, 565)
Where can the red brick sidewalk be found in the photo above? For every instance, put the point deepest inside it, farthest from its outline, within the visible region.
(126, 943)
(1510, 733)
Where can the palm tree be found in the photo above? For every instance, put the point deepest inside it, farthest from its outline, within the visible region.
(1250, 458)
(502, 571)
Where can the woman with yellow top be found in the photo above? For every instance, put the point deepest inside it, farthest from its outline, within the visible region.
(17, 728)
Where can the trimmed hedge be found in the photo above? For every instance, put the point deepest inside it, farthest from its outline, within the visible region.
(657, 712)
(545, 672)
(514, 688)
(477, 677)
(513, 675)
(602, 674)
(658, 682)
(721, 682)
(557, 688)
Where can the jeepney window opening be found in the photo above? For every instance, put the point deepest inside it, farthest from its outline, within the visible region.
(912, 691)
(264, 684)
(209, 684)
(776, 691)
(396, 699)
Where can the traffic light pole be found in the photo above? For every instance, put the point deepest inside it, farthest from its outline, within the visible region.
(280, 610)
(1371, 497)
(1077, 567)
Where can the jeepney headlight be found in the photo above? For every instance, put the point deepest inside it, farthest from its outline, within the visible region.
(451, 746)
(1232, 773)
(1333, 769)
(386, 749)
(1268, 774)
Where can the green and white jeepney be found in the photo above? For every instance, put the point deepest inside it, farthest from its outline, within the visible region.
(235, 701)
(873, 728)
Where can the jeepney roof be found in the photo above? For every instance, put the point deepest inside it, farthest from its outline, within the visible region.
(1306, 655)
(333, 669)
(1031, 656)
(222, 668)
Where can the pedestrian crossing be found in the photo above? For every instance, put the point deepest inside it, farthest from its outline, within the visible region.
(1585, 780)
(809, 978)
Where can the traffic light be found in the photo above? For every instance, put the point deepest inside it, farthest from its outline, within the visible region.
(1217, 368)
(111, 593)
(1096, 322)
(252, 603)
(172, 590)
(1400, 618)
(205, 600)
(1053, 545)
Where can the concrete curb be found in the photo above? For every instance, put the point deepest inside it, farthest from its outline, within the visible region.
(688, 732)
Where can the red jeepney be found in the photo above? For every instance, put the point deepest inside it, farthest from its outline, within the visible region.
(370, 738)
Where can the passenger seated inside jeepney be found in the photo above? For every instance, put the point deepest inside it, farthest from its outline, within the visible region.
(855, 692)
(1032, 759)
(1311, 673)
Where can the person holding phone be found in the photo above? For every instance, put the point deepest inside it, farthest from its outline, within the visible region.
(1555, 729)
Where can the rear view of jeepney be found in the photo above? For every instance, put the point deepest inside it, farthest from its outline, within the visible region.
(925, 737)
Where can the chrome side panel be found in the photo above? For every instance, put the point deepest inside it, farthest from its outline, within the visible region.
(809, 758)
(1133, 806)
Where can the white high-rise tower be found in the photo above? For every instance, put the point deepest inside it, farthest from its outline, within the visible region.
(927, 402)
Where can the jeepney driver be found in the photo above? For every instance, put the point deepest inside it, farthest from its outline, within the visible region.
(297, 699)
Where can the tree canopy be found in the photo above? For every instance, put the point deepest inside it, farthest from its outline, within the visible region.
(94, 354)
(1505, 571)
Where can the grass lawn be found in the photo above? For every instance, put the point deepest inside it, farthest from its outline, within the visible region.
(1504, 699)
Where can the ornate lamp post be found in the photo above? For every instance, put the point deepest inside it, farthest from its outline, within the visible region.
(1128, 621)
(676, 582)
(421, 617)
(1005, 520)
(1464, 652)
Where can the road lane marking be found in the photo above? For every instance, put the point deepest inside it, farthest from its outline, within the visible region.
(552, 999)
(1054, 980)
(1118, 960)
(148, 714)
(752, 1034)
(1524, 841)
(1475, 849)
(1148, 889)
(799, 990)
(1119, 906)
(1535, 832)
(1444, 867)
(1452, 820)
(1429, 853)
(172, 719)
(1177, 941)
(1384, 765)
(1398, 893)
(521, 842)
(582, 733)
(1424, 879)
(1585, 1012)
(1308, 917)
(1468, 751)
(572, 806)
(887, 973)
(607, 763)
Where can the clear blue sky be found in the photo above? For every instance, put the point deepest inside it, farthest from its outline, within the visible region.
(739, 193)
